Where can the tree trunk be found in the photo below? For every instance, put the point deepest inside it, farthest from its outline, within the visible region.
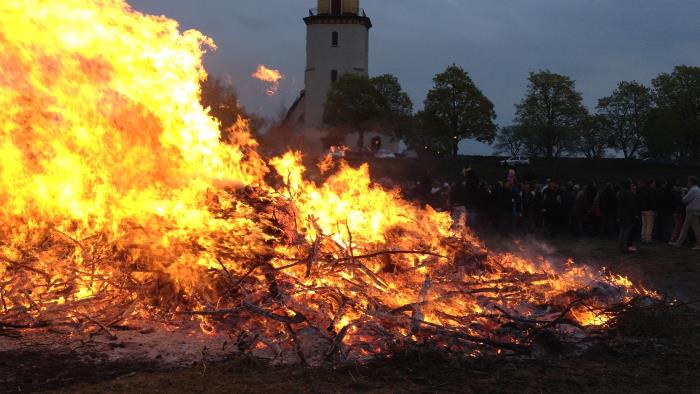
(455, 148)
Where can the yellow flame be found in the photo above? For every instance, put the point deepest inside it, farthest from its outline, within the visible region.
(271, 76)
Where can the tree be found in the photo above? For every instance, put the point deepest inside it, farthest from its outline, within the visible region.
(389, 87)
(594, 138)
(677, 116)
(356, 103)
(625, 114)
(509, 140)
(550, 114)
(222, 101)
(398, 120)
(458, 110)
(420, 136)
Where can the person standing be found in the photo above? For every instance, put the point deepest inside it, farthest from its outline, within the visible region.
(552, 207)
(578, 210)
(627, 213)
(692, 213)
(666, 204)
(608, 210)
(648, 205)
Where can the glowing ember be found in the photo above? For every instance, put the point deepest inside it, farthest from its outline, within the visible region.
(121, 204)
(272, 77)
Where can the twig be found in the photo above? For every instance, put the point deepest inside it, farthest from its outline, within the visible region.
(71, 239)
(296, 319)
(2, 298)
(338, 341)
(102, 326)
(230, 277)
(313, 253)
(364, 257)
(297, 344)
(347, 227)
(417, 315)
(212, 312)
(250, 271)
(388, 252)
(26, 267)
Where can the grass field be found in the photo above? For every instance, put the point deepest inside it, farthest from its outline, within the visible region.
(652, 352)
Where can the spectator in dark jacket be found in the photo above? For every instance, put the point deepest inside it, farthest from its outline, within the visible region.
(666, 202)
(608, 211)
(628, 214)
(649, 206)
(552, 207)
(424, 188)
(529, 205)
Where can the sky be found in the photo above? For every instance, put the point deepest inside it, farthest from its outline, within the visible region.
(498, 42)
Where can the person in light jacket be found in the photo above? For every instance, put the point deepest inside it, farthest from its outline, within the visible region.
(692, 213)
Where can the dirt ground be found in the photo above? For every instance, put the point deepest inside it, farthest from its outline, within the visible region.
(653, 351)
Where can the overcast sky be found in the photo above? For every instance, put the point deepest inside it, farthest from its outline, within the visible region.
(596, 42)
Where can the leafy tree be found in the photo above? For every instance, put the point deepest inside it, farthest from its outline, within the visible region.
(420, 136)
(389, 87)
(594, 138)
(625, 114)
(550, 114)
(509, 140)
(398, 120)
(222, 101)
(677, 97)
(662, 138)
(356, 103)
(458, 110)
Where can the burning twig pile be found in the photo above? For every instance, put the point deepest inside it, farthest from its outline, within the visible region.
(321, 299)
(121, 205)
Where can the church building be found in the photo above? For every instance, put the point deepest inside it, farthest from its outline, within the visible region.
(337, 42)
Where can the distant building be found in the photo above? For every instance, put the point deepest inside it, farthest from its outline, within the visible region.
(337, 43)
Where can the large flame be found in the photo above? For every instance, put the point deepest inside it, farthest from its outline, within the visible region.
(120, 201)
(100, 115)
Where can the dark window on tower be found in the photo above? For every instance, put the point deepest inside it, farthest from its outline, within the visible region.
(334, 39)
(334, 75)
(336, 7)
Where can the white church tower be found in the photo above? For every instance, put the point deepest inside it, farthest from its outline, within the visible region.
(337, 43)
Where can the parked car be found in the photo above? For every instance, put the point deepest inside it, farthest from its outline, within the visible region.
(516, 161)
(384, 154)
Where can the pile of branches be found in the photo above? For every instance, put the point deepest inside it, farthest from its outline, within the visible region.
(324, 302)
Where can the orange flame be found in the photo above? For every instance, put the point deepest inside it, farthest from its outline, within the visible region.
(271, 76)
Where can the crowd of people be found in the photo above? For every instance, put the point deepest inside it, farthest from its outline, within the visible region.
(649, 211)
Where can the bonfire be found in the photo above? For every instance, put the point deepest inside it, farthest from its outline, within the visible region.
(122, 206)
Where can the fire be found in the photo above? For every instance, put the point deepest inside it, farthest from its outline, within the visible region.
(271, 76)
(122, 204)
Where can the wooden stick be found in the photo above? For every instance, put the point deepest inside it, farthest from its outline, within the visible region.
(297, 343)
(102, 326)
(26, 267)
(2, 298)
(230, 277)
